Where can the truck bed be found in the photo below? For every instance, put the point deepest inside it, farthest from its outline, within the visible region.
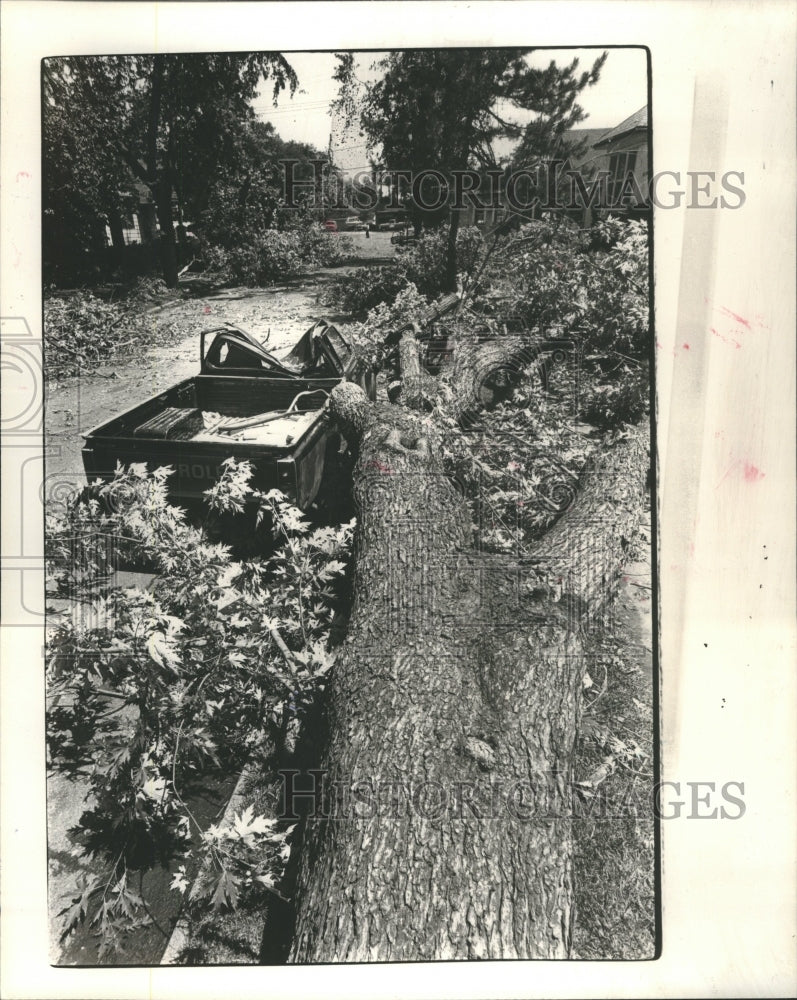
(176, 428)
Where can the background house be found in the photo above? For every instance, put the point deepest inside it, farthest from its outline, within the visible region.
(579, 148)
(623, 151)
(141, 223)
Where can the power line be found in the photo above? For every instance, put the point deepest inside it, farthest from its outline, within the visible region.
(303, 106)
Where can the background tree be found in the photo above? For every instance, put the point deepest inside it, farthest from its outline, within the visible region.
(85, 181)
(250, 194)
(168, 121)
(445, 109)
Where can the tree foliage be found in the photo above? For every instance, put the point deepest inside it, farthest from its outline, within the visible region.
(421, 264)
(549, 279)
(168, 122)
(247, 231)
(592, 286)
(445, 110)
(269, 255)
(150, 690)
(250, 194)
(85, 179)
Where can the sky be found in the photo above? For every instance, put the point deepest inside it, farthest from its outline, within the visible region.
(620, 91)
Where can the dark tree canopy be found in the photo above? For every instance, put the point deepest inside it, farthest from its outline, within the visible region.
(249, 194)
(169, 122)
(445, 110)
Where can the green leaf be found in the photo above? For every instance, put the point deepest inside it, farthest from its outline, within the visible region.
(162, 652)
(226, 891)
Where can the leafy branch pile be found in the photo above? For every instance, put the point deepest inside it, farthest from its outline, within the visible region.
(408, 306)
(591, 286)
(150, 690)
(82, 330)
(264, 256)
(519, 468)
(587, 286)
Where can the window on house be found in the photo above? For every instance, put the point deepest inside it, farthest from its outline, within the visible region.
(620, 166)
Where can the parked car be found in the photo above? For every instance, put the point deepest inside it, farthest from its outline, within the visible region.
(404, 238)
(355, 222)
(244, 403)
(330, 226)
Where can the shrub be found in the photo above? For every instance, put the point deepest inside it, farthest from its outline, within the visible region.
(368, 288)
(368, 337)
(425, 261)
(551, 278)
(422, 265)
(592, 286)
(518, 466)
(269, 255)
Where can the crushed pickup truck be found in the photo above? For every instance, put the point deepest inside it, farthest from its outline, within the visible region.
(244, 403)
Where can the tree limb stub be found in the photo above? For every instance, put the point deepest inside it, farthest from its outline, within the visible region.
(444, 830)
(418, 389)
(484, 374)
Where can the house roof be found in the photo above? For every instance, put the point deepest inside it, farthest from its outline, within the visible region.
(574, 137)
(638, 120)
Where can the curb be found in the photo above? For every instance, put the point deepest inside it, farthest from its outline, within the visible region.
(180, 935)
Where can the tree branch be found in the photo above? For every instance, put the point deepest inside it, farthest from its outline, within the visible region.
(581, 555)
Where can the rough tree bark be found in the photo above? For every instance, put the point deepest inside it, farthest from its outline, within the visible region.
(168, 246)
(483, 374)
(451, 252)
(480, 375)
(452, 713)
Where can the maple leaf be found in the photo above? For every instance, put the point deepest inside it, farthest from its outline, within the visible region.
(332, 568)
(153, 788)
(226, 891)
(323, 657)
(162, 652)
(215, 832)
(76, 913)
(247, 826)
(179, 880)
(228, 575)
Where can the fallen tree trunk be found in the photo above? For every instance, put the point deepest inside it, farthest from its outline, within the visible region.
(444, 829)
(483, 374)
